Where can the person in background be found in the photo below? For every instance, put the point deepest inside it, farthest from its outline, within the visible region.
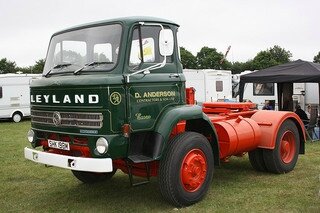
(249, 101)
(267, 106)
(308, 111)
(302, 114)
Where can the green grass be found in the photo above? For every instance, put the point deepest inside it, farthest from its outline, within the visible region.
(29, 187)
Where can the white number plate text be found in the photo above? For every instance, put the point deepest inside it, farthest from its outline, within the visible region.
(58, 144)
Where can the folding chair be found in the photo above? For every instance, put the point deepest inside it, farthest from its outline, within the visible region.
(312, 124)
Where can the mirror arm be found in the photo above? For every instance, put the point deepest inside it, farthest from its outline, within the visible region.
(153, 67)
(151, 24)
(140, 44)
(147, 70)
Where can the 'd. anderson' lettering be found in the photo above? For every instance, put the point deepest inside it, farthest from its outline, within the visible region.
(66, 99)
(158, 94)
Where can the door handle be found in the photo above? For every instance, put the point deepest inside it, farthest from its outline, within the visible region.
(173, 76)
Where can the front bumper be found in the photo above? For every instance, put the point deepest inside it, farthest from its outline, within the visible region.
(69, 162)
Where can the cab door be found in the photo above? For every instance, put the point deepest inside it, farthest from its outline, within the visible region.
(150, 93)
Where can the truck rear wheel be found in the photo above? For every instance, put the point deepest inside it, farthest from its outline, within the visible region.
(92, 177)
(284, 156)
(186, 169)
(257, 161)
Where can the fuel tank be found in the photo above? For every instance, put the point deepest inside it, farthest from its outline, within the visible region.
(237, 136)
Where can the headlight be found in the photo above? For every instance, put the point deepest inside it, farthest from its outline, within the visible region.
(30, 135)
(102, 145)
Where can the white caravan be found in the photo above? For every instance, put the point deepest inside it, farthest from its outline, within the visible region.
(305, 94)
(15, 95)
(260, 93)
(210, 85)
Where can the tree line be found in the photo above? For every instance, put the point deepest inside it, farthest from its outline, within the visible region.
(210, 58)
(7, 66)
(206, 58)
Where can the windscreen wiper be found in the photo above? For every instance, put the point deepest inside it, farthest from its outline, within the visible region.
(56, 67)
(94, 63)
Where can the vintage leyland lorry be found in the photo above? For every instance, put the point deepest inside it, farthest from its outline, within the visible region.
(113, 97)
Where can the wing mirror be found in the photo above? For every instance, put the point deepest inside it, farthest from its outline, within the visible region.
(166, 42)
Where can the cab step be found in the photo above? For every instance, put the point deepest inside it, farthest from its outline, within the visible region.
(138, 159)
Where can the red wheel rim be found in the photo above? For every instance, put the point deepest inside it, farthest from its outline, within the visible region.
(287, 146)
(193, 170)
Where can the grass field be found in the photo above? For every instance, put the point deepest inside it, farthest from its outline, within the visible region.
(29, 187)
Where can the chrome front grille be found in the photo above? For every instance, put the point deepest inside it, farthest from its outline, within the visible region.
(68, 119)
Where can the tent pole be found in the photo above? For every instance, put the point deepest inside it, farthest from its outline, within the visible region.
(241, 90)
(319, 94)
(279, 88)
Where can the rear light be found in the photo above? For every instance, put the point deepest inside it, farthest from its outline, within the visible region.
(126, 129)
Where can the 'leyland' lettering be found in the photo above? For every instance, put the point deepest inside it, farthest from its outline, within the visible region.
(66, 99)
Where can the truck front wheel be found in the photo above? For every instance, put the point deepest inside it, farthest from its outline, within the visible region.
(92, 177)
(186, 169)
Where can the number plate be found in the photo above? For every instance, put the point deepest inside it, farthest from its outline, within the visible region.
(58, 144)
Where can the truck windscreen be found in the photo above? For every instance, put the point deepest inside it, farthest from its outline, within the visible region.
(73, 50)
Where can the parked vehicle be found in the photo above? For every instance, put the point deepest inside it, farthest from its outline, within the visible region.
(210, 85)
(15, 95)
(113, 97)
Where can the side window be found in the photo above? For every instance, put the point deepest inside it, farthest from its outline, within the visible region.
(148, 50)
(219, 86)
(150, 46)
(0, 92)
(263, 88)
(102, 52)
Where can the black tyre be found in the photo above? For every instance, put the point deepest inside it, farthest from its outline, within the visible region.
(92, 177)
(284, 156)
(186, 169)
(257, 161)
(16, 117)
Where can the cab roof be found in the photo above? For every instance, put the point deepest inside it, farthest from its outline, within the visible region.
(127, 21)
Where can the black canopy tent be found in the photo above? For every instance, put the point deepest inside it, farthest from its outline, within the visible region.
(293, 72)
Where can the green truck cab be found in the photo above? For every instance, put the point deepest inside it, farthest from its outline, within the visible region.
(111, 96)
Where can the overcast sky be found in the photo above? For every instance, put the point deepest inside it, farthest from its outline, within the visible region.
(249, 26)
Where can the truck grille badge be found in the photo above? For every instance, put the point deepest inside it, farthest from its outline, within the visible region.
(56, 118)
